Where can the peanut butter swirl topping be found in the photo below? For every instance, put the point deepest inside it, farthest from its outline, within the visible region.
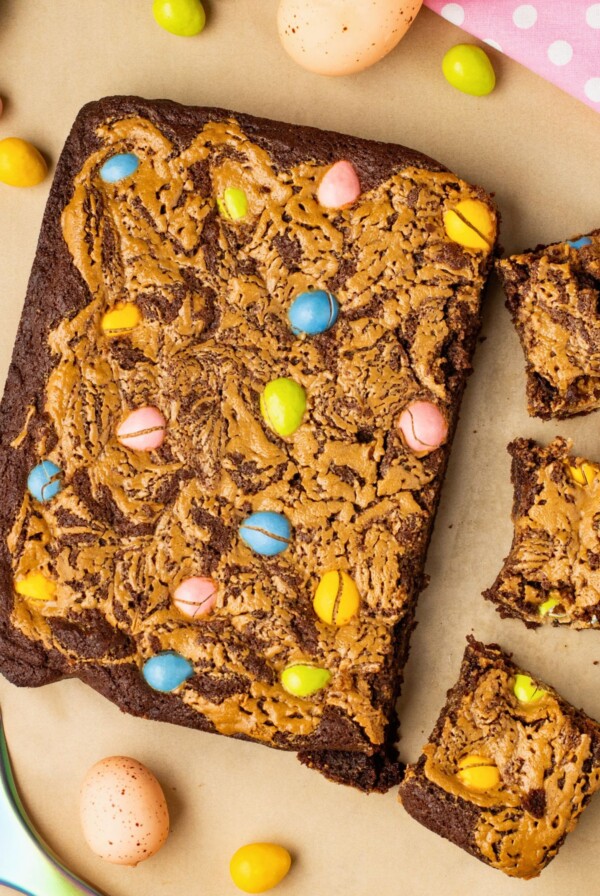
(213, 293)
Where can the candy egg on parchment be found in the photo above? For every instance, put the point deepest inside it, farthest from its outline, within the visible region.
(124, 813)
(341, 37)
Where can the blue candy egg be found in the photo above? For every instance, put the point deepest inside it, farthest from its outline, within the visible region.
(44, 481)
(313, 312)
(266, 532)
(118, 167)
(580, 243)
(166, 671)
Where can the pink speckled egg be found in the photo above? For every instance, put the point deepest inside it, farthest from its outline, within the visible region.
(143, 429)
(196, 596)
(340, 37)
(123, 810)
(339, 187)
(423, 427)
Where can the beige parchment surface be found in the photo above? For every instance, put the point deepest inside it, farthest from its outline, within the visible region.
(539, 151)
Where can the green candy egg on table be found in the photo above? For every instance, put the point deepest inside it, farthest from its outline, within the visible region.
(185, 18)
(469, 69)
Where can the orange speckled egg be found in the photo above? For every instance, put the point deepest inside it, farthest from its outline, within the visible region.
(340, 37)
(124, 813)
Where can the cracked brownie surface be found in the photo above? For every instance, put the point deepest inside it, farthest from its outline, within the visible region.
(552, 573)
(553, 294)
(128, 527)
(543, 753)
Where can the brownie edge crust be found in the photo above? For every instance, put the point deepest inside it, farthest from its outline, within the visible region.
(210, 293)
(539, 757)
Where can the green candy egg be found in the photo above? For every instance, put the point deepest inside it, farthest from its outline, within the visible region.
(182, 17)
(304, 681)
(282, 404)
(469, 69)
(526, 690)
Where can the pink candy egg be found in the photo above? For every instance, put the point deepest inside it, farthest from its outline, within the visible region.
(196, 597)
(423, 427)
(143, 429)
(340, 186)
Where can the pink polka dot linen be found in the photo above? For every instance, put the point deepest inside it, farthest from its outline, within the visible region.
(558, 40)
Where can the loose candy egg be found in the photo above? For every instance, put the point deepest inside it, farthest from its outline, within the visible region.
(21, 165)
(478, 772)
(118, 167)
(340, 186)
(468, 68)
(337, 598)
(36, 586)
(302, 680)
(470, 223)
(196, 596)
(266, 532)
(182, 17)
(123, 810)
(340, 37)
(233, 205)
(526, 690)
(143, 430)
(313, 312)
(121, 319)
(166, 671)
(44, 482)
(423, 427)
(257, 867)
(282, 404)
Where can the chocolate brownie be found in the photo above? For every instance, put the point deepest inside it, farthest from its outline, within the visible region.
(509, 766)
(553, 294)
(551, 573)
(174, 243)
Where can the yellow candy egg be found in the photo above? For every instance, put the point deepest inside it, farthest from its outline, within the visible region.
(121, 319)
(471, 224)
(337, 598)
(583, 475)
(478, 772)
(21, 165)
(257, 867)
(340, 37)
(36, 586)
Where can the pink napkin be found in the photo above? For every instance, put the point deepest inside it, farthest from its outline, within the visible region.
(557, 39)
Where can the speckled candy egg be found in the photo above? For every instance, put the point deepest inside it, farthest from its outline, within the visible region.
(123, 809)
(340, 37)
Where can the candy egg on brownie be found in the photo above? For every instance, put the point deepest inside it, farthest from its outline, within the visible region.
(143, 429)
(339, 186)
(282, 404)
(341, 37)
(337, 598)
(313, 312)
(303, 680)
(423, 427)
(266, 532)
(43, 481)
(166, 671)
(196, 597)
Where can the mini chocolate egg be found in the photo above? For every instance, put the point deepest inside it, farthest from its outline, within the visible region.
(121, 319)
(313, 312)
(581, 243)
(266, 532)
(282, 404)
(258, 867)
(340, 37)
(340, 186)
(302, 680)
(36, 586)
(21, 164)
(43, 481)
(118, 167)
(166, 671)
(123, 810)
(143, 429)
(196, 596)
(423, 427)
(337, 599)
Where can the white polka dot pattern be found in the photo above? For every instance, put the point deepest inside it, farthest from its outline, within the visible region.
(557, 40)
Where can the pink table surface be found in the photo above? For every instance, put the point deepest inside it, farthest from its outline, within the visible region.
(557, 39)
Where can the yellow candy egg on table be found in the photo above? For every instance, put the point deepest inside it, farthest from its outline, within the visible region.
(21, 165)
(341, 37)
(258, 867)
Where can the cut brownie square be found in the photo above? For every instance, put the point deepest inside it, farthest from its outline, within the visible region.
(227, 421)
(552, 573)
(553, 294)
(508, 768)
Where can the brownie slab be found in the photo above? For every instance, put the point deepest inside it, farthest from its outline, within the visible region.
(204, 289)
(508, 768)
(551, 575)
(553, 294)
